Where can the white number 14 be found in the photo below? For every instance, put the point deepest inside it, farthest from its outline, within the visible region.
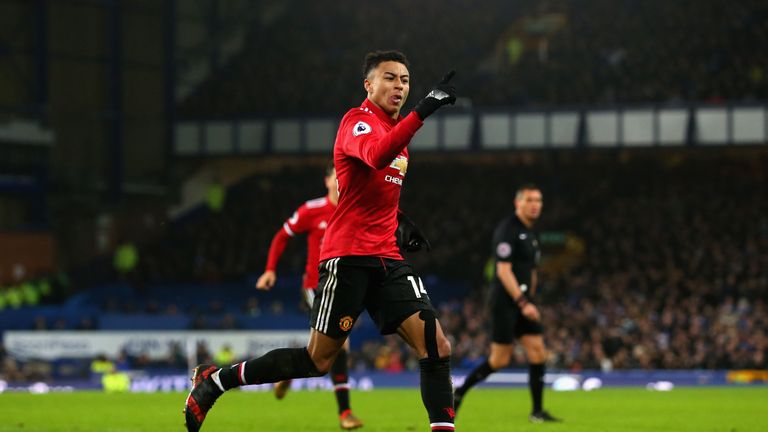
(417, 289)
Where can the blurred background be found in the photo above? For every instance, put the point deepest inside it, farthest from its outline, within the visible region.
(149, 150)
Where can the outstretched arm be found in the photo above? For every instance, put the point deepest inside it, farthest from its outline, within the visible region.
(377, 148)
(269, 277)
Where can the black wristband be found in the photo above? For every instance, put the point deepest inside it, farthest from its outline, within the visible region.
(521, 301)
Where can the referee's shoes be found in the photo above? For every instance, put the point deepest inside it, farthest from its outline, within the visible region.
(543, 417)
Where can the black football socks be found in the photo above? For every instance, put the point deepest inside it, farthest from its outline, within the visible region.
(274, 366)
(436, 392)
(477, 375)
(340, 379)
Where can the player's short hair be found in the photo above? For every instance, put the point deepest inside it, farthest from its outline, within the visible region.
(373, 58)
(329, 167)
(525, 187)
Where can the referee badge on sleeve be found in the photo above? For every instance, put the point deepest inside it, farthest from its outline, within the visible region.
(503, 250)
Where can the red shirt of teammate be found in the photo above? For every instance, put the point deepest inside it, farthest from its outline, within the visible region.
(311, 218)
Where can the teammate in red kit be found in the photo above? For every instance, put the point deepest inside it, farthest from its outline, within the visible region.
(312, 218)
(361, 266)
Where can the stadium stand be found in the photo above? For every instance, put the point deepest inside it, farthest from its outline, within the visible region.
(658, 263)
(530, 53)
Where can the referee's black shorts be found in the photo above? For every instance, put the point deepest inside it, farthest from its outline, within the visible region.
(389, 289)
(508, 321)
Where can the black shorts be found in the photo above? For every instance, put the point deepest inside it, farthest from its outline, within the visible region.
(508, 320)
(388, 289)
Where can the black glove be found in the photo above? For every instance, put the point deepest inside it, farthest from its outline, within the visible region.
(409, 236)
(441, 94)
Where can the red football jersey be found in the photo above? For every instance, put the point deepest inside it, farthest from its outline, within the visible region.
(311, 218)
(371, 160)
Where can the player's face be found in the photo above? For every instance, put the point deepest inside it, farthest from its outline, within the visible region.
(330, 183)
(330, 180)
(529, 203)
(388, 86)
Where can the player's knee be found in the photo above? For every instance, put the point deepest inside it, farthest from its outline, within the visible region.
(538, 355)
(536, 352)
(499, 361)
(436, 344)
(322, 364)
(443, 347)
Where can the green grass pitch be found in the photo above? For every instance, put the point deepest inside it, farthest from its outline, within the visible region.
(728, 409)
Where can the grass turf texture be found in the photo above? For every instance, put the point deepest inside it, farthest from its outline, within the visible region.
(728, 409)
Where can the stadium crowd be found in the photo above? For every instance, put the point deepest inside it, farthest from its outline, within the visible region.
(530, 53)
(673, 271)
(662, 264)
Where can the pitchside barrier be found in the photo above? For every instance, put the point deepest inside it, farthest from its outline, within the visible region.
(83, 346)
(155, 345)
(653, 380)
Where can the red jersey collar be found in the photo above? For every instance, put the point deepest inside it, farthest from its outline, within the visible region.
(379, 112)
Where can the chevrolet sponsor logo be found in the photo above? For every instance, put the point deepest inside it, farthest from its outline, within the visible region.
(400, 163)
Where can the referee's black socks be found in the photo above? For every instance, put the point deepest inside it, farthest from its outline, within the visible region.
(536, 384)
(274, 366)
(436, 392)
(479, 374)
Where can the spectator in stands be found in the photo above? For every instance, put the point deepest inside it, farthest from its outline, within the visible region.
(176, 358)
(9, 368)
(225, 356)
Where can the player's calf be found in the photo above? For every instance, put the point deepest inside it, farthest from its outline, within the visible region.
(436, 388)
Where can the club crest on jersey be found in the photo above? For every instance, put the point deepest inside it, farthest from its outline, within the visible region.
(400, 163)
(361, 128)
(345, 324)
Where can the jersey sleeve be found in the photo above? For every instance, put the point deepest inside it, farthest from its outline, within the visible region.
(299, 223)
(504, 242)
(364, 139)
(276, 248)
